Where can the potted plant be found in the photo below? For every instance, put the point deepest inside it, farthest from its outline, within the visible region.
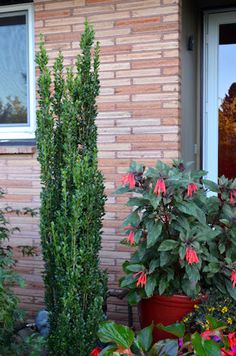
(120, 340)
(183, 228)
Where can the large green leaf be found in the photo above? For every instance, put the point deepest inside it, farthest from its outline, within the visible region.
(137, 202)
(182, 252)
(154, 232)
(161, 166)
(122, 190)
(177, 329)
(154, 199)
(168, 245)
(150, 285)
(214, 323)
(135, 267)
(165, 258)
(197, 344)
(190, 208)
(190, 288)
(132, 219)
(211, 348)
(205, 347)
(108, 350)
(230, 289)
(133, 297)
(138, 235)
(153, 265)
(213, 267)
(162, 285)
(165, 348)
(119, 334)
(144, 338)
(136, 167)
(212, 186)
(127, 281)
(193, 273)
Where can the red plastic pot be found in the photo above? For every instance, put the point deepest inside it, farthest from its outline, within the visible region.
(165, 310)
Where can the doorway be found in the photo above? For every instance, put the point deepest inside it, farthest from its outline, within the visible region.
(219, 94)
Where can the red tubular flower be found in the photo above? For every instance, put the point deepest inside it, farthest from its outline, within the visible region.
(160, 186)
(233, 277)
(130, 238)
(128, 227)
(207, 334)
(192, 187)
(191, 255)
(232, 195)
(95, 352)
(227, 352)
(129, 179)
(232, 340)
(125, 352)
(142, 280)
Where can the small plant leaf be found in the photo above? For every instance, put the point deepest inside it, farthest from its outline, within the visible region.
(133, 297)
(119, 334)
(177, 329)
(168, 245)
(164, 348)
(150, 285)
(144, 338)
(154, 231)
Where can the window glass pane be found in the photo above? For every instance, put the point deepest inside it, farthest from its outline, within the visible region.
(13, 70)
(227, 97)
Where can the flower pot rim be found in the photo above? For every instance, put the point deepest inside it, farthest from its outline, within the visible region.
(178, 297)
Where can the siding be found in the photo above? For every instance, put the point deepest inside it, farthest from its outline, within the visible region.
(139, 113)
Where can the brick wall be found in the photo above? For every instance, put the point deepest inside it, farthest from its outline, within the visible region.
(138, 118)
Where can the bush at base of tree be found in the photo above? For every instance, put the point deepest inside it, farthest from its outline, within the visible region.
(11, 316)
(72, 199)
(9, 308)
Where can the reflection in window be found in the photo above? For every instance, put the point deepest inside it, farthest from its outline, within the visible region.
(227, 95)
(13, 69)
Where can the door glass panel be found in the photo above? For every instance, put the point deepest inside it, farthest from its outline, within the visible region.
(227, 101)
(13, 70)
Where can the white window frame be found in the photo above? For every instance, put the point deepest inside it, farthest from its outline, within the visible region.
(26, 131)
(212, 21)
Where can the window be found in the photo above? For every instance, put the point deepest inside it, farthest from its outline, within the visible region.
(17, 86)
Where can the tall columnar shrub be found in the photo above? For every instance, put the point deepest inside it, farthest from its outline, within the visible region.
(72, 198)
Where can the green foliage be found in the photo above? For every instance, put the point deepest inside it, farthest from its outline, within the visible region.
(10, 312)
(121, 340)
(121, 335)
(9, 308)
(177, 329)
(218, 306)
(183, 234)
(32, 345)
(72, 199)
(164, 348)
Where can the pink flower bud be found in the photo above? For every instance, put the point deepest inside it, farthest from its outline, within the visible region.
(160, 186)
(129, 179)
(191, 256)
(192, 187)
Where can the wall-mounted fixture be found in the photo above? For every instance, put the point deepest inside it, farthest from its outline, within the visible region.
(190, 44)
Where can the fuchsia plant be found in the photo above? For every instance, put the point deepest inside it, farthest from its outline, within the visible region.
(184, 238)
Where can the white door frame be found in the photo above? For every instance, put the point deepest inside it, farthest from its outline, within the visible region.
(210, 88)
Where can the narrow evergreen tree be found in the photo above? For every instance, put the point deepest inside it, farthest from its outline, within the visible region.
(72, 199)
